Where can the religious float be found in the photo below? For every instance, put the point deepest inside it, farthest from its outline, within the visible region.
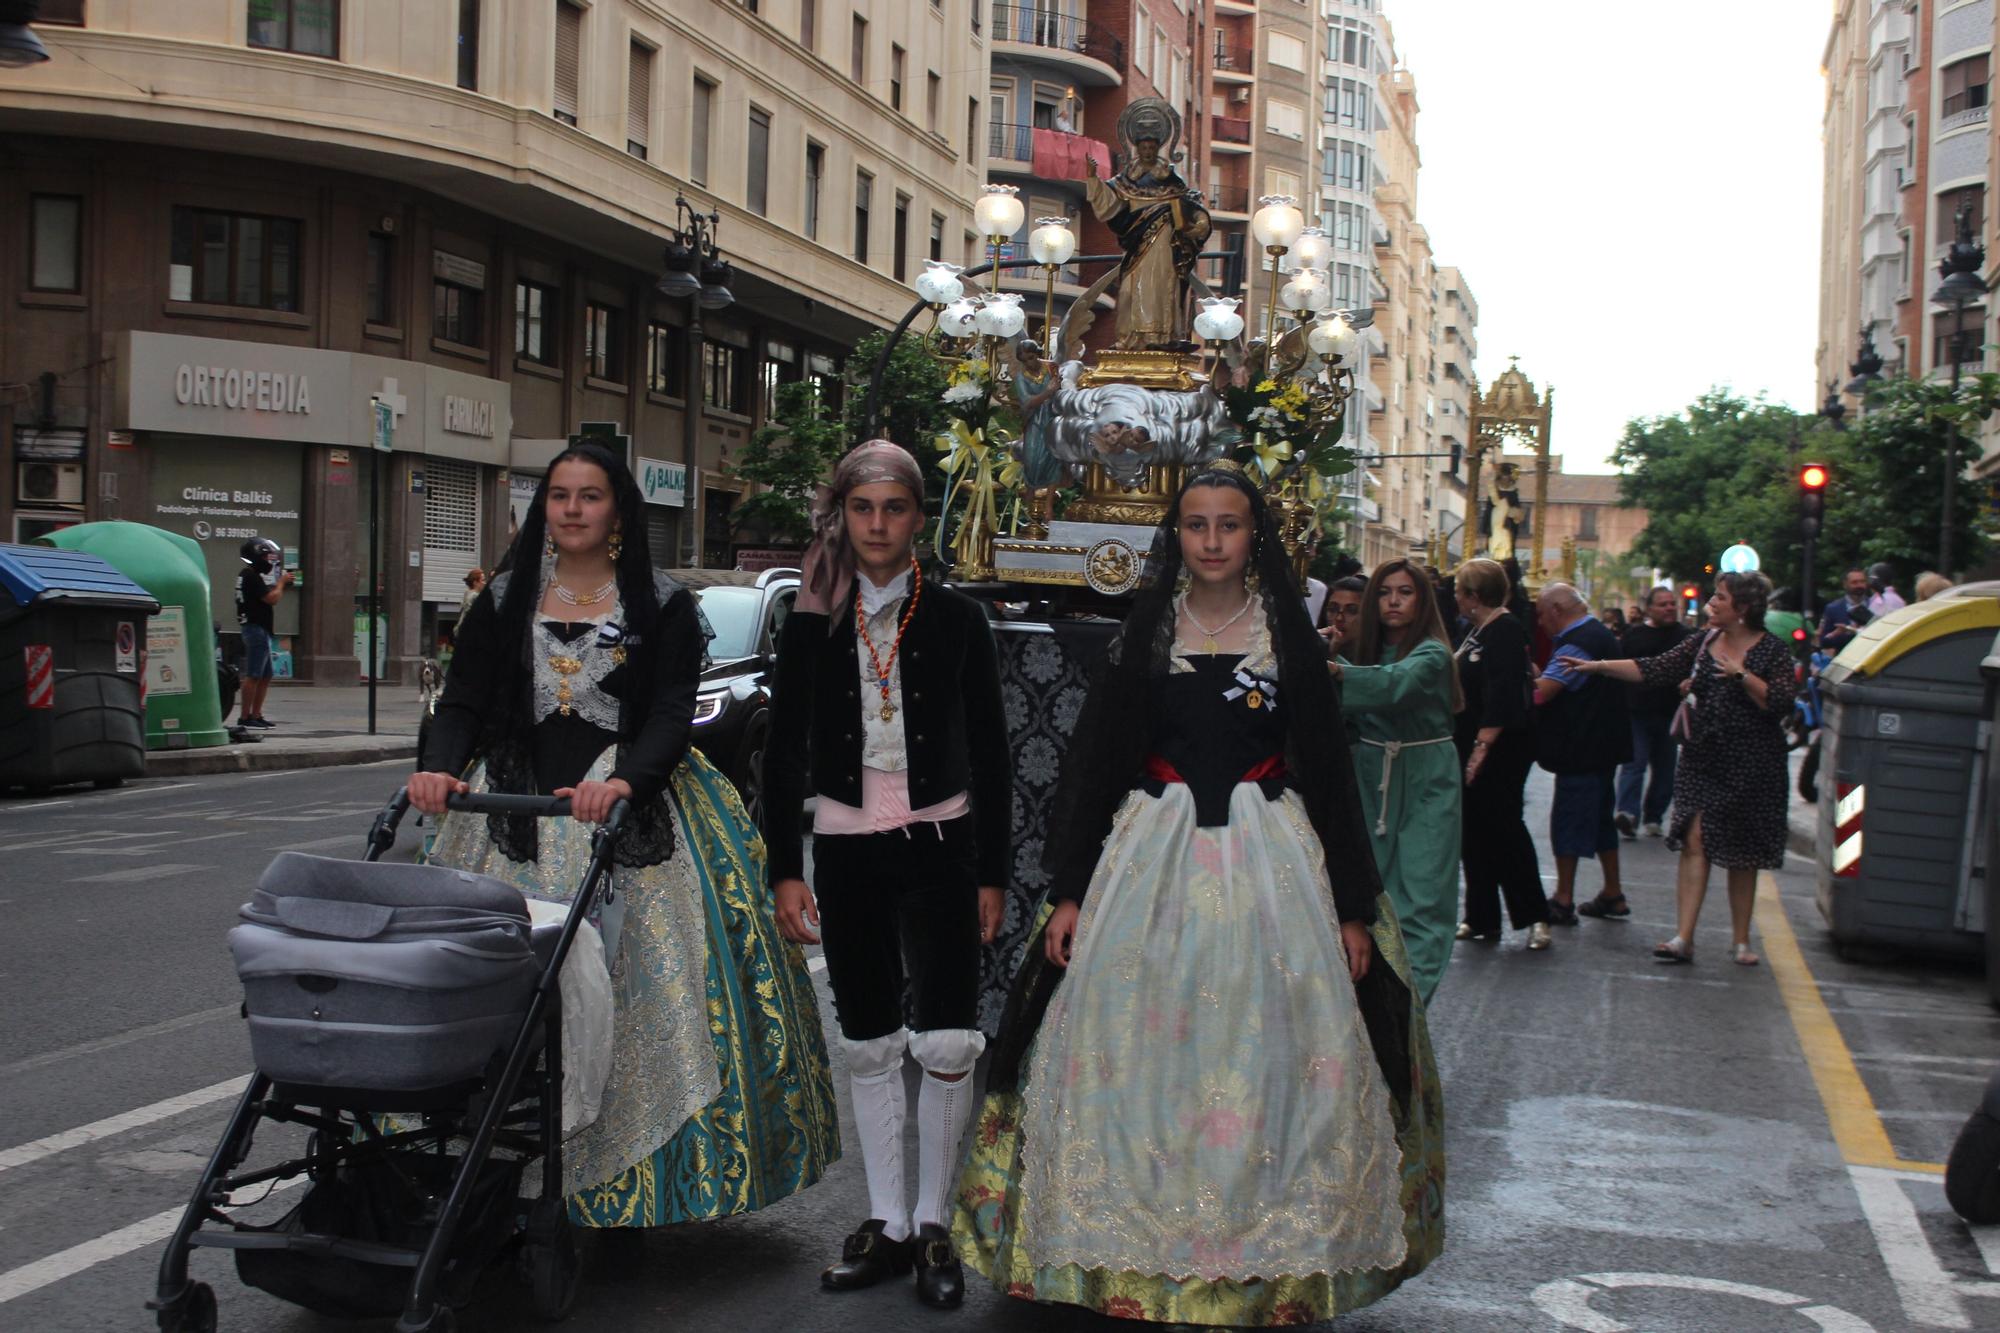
(1061, 461)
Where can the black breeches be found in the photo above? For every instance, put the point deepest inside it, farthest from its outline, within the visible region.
(896, 905)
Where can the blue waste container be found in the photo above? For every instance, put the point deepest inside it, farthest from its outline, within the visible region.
(72, 630)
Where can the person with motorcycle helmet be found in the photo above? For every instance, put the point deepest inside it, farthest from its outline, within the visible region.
(258, 587)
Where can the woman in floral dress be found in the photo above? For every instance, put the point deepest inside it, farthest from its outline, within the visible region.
(1213, 1099)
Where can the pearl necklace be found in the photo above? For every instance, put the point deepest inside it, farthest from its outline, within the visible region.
(1209, 636)
(568, 598)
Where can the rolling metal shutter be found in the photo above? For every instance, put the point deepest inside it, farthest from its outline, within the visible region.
(451, 527)
(569, 54)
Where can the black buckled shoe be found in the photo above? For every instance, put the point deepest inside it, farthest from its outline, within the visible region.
(867, 1257)
(940, 1278)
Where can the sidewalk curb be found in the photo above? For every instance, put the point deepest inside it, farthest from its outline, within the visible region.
(276, 758)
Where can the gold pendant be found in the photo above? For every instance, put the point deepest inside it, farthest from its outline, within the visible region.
(618, 657)
(888, 713)
(1210, 646)
(566, 667)
(1255, 700)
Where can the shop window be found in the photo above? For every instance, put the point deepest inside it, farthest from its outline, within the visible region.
(666, 360)
(381, 279)
(569, 60)
(55, 243)
(535, 322)
(468, 44)
(781, 366)
(716, 527)
(303, 27)
(234, 259)
(604, 342)
(722, 378)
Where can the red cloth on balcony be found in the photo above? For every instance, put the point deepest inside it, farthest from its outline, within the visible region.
(1060, 156)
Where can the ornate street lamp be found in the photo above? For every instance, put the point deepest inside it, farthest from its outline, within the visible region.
(19, 47)
(1866, 366)
(1961, 287)
(693, 265)
(1313, 249)
(998, 214)
(1051, 244)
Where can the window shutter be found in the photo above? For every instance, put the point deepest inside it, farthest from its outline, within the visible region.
(451, 526)
(639, 95)
(569, 51)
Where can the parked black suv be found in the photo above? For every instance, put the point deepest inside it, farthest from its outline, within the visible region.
(732, 713)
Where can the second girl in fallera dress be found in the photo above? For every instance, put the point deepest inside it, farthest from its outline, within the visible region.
(1213, 1101)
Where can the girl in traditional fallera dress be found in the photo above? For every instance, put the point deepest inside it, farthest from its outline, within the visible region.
(1213, 1100)
(1399, 685)
(888, 693)
(575, 676)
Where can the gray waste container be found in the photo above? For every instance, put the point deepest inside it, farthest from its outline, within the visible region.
(1902, 767)
(71, 636)
(1982, 889)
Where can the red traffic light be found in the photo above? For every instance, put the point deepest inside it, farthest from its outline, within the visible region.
(1799, 634)
(1690, 592)
(1814, 476)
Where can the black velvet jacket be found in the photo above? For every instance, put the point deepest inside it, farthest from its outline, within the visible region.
(656, 692)
(953, 724)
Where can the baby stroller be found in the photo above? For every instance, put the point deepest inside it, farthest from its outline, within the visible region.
(408, 1016)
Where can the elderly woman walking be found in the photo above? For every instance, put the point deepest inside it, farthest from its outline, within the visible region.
(1400, 687)
(1731, 792)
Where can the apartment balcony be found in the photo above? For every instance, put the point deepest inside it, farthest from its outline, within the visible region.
(1235, 6)
(1092, 54)
(1231, 200)
(1885, 135)
(1229, 134)
(1233, 64)
(1962, 120)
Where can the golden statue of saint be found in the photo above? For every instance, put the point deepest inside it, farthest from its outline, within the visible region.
(1159, 222)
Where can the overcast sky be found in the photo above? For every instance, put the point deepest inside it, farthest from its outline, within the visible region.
(1633, 192)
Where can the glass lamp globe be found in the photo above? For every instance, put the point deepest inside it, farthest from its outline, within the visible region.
(998, 211)
(1313, 248)
(1051, 242)
(1278, 222)
(1322, 290)
(1297, 293)
(1000, 315)
(1333, 337)
(1218, 320)
(959, 319)
(939, 283)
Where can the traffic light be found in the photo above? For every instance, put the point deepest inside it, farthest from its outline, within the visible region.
(1691, 598)
(1813, 478)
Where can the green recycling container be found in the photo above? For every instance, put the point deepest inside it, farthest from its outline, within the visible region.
(183, 705)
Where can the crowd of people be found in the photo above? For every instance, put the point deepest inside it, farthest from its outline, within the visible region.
(1303, 781)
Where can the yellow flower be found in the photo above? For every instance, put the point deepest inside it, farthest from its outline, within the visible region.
(1267, 386)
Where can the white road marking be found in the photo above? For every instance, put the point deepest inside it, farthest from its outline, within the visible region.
(1903, 1058)
(22, 1154)
(146, 849)
(151, 1030)
(28, 807)
(1568, 1300)
(1931, 1296)
(29, 1278)
(134, 873)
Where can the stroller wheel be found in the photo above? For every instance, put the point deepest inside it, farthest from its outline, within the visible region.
(555, 1269)
(193, 1313)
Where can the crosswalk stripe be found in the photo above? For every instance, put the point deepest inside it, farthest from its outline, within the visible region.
(24, 1153)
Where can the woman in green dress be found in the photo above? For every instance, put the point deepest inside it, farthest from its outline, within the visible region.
(1399, 686)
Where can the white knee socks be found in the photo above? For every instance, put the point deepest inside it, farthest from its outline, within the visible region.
(879, 1110)
(941, 1108)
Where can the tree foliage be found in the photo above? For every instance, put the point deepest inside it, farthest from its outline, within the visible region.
(910, 408)
(1725, 470)
(792, 455)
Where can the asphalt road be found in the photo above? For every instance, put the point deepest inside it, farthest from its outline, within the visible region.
(1631, 1147)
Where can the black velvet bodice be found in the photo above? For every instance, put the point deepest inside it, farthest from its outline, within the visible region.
(1213, 726)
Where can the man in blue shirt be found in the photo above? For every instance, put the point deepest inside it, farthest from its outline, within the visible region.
(1584, 734)
(1845, 615)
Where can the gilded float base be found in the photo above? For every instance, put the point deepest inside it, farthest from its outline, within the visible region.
(1148, 370)
(1145, 505)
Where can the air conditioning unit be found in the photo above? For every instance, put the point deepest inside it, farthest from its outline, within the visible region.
(49, 483)
(1239, 94)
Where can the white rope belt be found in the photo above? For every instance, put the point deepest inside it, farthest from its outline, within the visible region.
(1390, 750)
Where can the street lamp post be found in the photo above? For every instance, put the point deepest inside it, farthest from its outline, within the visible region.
(1961, 286)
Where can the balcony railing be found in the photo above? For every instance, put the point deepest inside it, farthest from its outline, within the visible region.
(1231, 130)
(1229, 198)
(1234, 59)
(1958, 120)
(1058, 32)
(1010, 143)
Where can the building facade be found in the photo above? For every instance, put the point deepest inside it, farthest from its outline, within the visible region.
(1453, 354)
(227, 231)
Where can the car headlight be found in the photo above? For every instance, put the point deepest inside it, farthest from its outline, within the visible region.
(708, 707)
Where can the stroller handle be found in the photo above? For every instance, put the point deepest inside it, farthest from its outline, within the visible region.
(383, 835)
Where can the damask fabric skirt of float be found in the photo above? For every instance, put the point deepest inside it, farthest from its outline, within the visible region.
(1143, 1091)
(772, 1129)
